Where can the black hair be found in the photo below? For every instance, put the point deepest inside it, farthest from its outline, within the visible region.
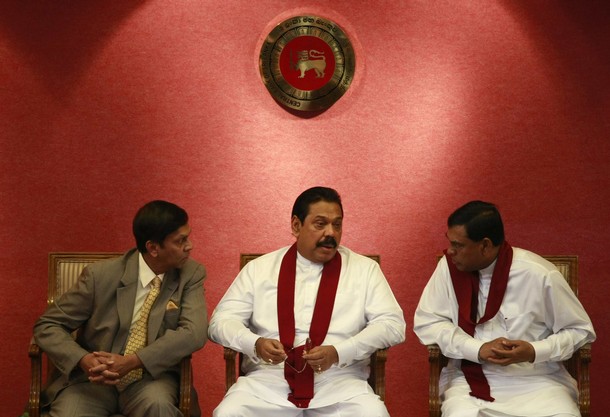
(155, 221)
(311, 196)
(481, 220)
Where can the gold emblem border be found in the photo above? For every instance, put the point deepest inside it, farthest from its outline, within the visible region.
(307, 25)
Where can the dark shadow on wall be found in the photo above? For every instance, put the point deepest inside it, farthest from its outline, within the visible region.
(58, 39)
(574, 38)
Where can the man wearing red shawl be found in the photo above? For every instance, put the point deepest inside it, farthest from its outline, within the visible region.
(506, 318)
(307, 317)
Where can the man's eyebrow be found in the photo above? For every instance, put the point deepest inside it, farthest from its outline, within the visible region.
(326, 218)
(453, 241)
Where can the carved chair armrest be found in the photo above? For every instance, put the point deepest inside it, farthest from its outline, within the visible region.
(580, 362)
(377, 375)
(186, 381)
(437, 361)
(35, 355)
(230, 372)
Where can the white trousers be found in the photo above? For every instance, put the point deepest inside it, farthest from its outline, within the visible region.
(491, 413)
(243, 404)
(542, 397)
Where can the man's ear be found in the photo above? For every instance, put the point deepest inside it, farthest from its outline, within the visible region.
(152, 248)
(296, 225)
(486, 245)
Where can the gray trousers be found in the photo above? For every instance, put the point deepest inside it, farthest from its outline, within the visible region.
(145, 398)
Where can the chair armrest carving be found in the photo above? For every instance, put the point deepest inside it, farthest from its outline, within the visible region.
(437, 360)
(581, 359)
(186, 381)
(230, 373)
(377, 375)
(35, 355)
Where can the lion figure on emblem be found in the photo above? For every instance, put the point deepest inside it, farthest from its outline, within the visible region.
(311, 60)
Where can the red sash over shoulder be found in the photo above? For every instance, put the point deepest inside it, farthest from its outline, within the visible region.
(298, 374)
(466, 287)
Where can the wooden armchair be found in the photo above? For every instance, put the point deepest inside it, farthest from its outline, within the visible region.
(64, 270)
(577, 365)
(233, 359)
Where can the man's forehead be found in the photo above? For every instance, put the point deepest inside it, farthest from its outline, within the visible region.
(324, 207)
(183, 231)
(325, 214)
(457, 233)
(321, 216)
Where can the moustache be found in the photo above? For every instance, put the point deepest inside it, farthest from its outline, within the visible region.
(328, 242)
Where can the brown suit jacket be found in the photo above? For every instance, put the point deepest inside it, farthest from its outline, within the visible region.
(101, 306)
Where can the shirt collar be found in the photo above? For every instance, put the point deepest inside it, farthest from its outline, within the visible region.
(307, 263)
(488, 271)
(145, 274)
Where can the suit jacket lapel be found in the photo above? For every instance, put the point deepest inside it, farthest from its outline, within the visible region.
(126, 296)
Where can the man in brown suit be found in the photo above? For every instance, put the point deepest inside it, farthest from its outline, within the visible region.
(106, 303)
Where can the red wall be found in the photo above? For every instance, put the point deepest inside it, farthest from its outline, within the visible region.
(106, 105)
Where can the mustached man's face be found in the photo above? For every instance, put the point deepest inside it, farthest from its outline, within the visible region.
(320, 234)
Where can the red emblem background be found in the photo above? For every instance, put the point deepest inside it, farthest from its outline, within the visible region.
(290, 57)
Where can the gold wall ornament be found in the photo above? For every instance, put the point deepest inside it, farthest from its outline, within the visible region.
(307, 63)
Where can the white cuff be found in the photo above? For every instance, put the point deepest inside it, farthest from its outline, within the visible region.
(346, 351)
(471, 350)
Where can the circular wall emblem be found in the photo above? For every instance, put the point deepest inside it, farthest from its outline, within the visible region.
(307, 63)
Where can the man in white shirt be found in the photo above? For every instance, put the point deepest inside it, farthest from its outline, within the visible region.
(506, 318)
(307, 318)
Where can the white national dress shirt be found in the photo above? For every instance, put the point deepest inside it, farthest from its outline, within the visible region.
(538, 307)
(366, 317)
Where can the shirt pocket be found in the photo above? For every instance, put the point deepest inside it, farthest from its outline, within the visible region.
(516, 323)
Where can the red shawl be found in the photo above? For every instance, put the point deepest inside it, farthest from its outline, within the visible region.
(466, 287)
(301, 382)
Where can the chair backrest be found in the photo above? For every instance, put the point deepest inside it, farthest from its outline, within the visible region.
(568, 266)
(64, 270)
(66, 267)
